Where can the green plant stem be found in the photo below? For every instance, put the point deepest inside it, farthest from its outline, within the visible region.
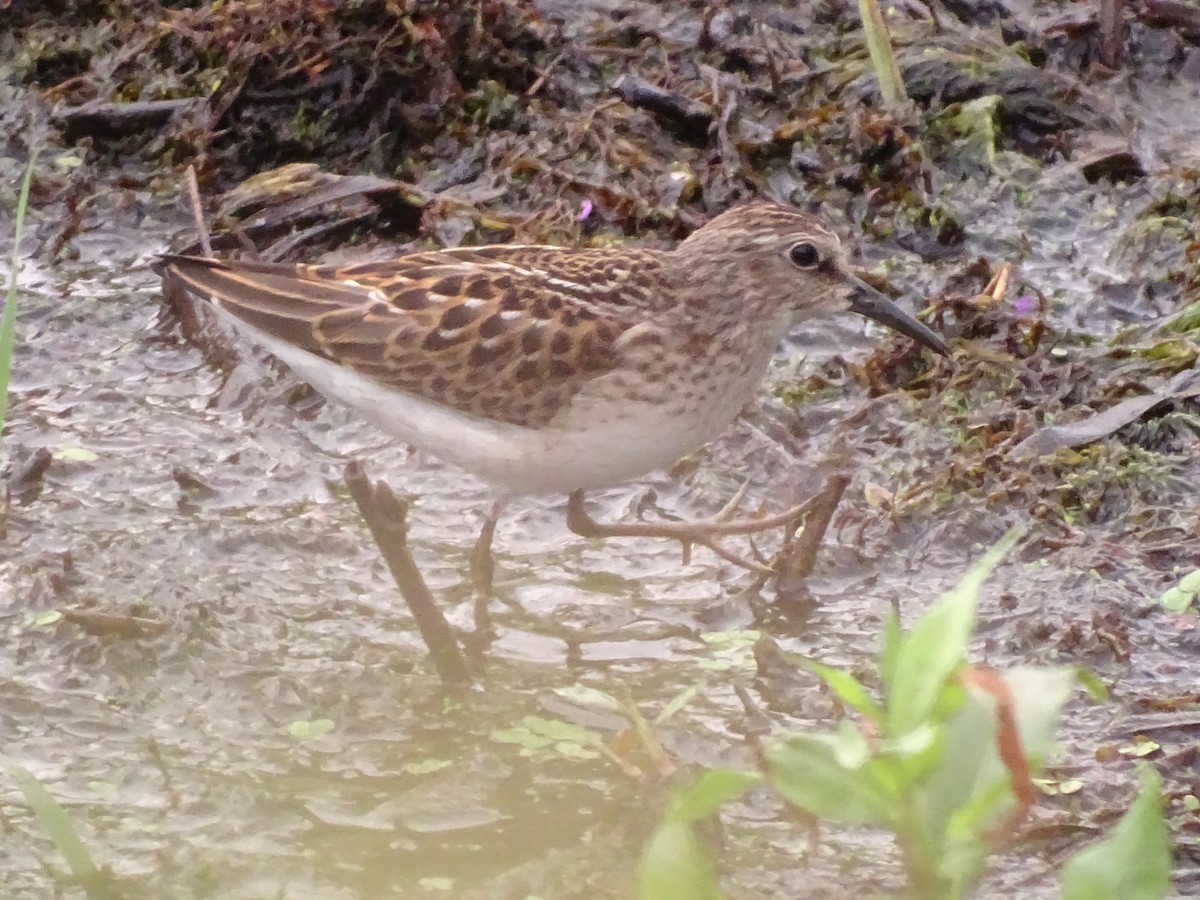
(924, 880)
(8, 322)
(879, 44)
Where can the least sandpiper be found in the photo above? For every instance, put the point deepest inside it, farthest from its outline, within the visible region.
(547, 369)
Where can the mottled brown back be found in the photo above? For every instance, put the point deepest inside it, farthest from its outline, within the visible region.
(508, 332)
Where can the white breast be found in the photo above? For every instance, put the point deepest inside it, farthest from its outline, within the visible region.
(600, 441)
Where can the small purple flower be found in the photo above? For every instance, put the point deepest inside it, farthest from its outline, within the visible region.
(584, 211)
(1025, 305)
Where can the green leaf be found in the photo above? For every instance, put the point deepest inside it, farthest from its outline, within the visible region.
(711, 791)
(847, 689)
(1133, 862)
(306, 731)
(558, 729)
(426, 766)
(963, 768)
(936, 646)
(1093, 685)
(1141, 747)
(850, 747)
(589, 696)
(1176, 599)
(969, 789)
(675, 866)
(917, 742)
(535, 734)
(1039, 694)
(522, 737)
(575, 750)
(677, 703)
(47, 618)
(731, 639)
(1191, 582)
(808, 772)
(75, 454)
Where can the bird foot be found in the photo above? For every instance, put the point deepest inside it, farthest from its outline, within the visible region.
(702, 532)
(483, 563)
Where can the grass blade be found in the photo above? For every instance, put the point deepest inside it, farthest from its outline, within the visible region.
(8, 322)
(54, 820)
(879, 44)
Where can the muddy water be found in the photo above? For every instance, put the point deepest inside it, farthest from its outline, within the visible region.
(173, 751)
(210, 503)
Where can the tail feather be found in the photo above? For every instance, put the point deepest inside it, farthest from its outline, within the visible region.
(278, 299)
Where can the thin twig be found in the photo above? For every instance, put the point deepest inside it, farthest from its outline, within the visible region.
(198, 212)
(543, 75)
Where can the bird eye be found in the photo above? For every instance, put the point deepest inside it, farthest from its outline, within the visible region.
(805, 255)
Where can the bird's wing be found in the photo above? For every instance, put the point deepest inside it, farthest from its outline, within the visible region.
(507, 333)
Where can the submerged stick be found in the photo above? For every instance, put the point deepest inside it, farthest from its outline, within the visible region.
(800, 556)
(386, 517)
(1112, 33)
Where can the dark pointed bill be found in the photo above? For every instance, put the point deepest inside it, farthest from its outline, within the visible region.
(866, 301)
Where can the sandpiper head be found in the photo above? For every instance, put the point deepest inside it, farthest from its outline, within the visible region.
(776, 245)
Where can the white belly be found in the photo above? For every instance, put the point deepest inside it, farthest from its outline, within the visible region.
(596, 445)
(597, 442)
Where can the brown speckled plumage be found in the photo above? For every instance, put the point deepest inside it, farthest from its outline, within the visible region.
(505, 333)
(553, 342)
